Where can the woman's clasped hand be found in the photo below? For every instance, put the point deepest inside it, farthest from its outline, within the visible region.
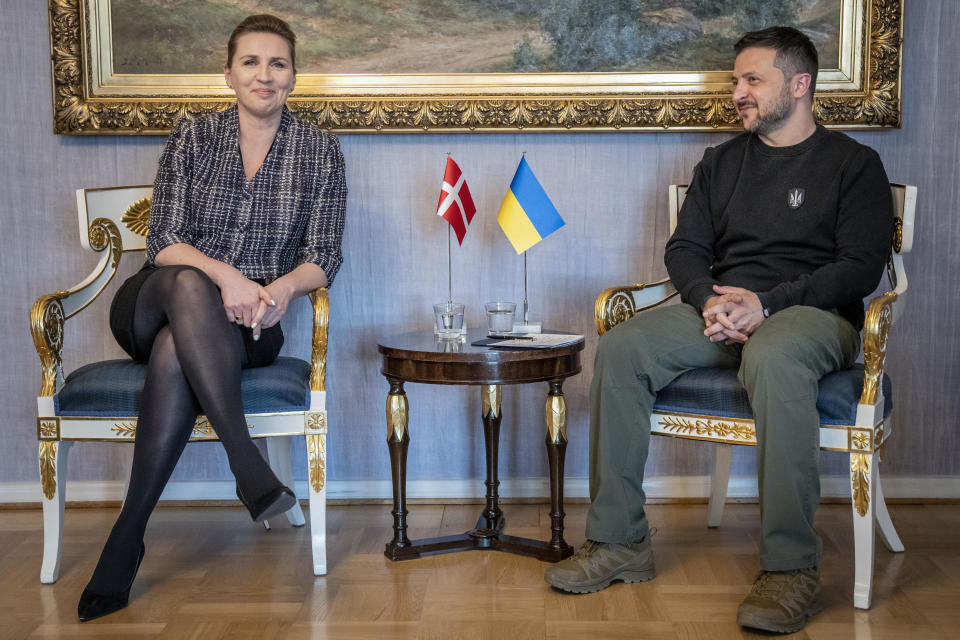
(248, 304)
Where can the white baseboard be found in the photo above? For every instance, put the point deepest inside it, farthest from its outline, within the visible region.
(666, 487)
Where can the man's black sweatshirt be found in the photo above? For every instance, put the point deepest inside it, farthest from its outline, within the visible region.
(809, 224)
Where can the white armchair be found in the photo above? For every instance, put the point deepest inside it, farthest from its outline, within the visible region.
(98, 402)
(854, 404)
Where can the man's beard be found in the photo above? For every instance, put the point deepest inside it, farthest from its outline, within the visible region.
(775, 117)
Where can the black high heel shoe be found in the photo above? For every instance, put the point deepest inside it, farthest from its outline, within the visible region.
(272, 503)
(96, 605)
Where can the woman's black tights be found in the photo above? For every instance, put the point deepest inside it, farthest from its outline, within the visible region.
(196, 356)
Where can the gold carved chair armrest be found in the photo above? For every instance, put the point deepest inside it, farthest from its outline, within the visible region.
(46, 325)
(51, 311)
(320, 298)
(876, 329)
(617, 304)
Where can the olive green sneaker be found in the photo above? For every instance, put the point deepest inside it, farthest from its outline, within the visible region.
(781, 601)
(596, 564)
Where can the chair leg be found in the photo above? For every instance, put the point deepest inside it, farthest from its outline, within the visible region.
(53, 477)
(718, 484)
(888, 532)
(278, 453)
(863, 478)
(317, 488)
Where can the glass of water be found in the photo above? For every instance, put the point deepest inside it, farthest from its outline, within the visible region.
(449, 319)
(500, 317)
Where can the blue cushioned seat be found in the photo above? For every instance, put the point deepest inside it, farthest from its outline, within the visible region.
(717, 392)
(111, 388)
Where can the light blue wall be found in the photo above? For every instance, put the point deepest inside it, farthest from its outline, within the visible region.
(609, 187)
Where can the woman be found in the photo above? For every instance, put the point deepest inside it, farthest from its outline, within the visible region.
(247, 214)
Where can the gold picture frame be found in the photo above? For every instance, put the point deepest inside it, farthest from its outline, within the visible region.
(88, 98)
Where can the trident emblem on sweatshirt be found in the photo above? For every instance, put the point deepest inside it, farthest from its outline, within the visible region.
(795, 197)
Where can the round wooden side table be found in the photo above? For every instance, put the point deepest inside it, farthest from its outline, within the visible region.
(419, 357)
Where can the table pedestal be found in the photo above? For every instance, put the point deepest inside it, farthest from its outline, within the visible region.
(488, 533)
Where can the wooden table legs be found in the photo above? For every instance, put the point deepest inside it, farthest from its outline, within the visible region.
(488, 533)
(492, 516)
(398, 440)
(556, 415)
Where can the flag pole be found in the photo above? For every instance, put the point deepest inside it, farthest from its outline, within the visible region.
(449, 269)
(526, 319)
(449, 262)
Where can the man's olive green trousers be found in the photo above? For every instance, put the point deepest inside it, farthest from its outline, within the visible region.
(779, 366)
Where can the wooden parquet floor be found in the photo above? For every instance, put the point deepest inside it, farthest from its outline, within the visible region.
(210, 573)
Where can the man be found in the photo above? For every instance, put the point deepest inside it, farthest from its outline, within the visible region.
(784, 229)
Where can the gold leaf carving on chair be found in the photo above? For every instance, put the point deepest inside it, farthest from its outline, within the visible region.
(320, 299)
(859, 470)
(202, 427)
(620, 308)
(317, 421)
(137, 216)
(48, 429)
(317, 459)
(125, 429)
(860, 439)
(48, 468)
(46, 325)
(103, 233)
(707, 427)
(877, 321)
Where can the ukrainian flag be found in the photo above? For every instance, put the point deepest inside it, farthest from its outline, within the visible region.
(527, 216)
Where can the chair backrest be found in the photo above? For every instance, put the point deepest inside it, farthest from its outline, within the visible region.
(112, 221)
(904, 207)
(127, 207)
(677, 193)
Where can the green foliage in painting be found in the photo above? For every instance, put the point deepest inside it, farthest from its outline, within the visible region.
(614, 35)
(588, 35)
(172, 37)
(312, 8)
(465, 36)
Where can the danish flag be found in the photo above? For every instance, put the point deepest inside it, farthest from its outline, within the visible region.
(455, 206)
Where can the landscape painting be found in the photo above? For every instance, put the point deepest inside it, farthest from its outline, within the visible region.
(380, 66)
(467, 36)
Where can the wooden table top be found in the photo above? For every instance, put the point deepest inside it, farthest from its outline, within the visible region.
(419, 357)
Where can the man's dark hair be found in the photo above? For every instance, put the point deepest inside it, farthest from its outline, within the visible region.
(795, 52)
